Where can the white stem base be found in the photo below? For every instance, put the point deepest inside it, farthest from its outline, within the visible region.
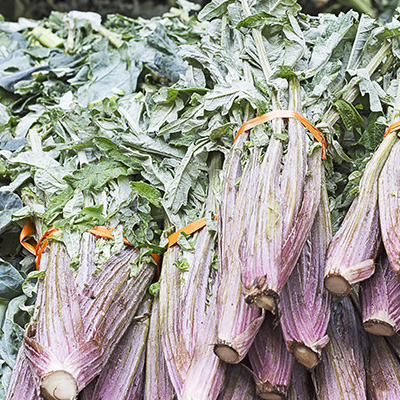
(58, 385)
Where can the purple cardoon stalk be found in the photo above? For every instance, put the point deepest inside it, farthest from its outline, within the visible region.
(389, 206)
(271, 362)
(383, 370)
(239, 384)
(341, 373)
(77, 328)
(380, 299)
(158, 385)
(305, 304)
(124, 371)
(281, 211)
(238, 322)
(301, 386)
(351, 254)
(188, 290)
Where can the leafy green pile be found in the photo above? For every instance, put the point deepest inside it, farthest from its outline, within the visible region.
(75, 152)
(113, 124)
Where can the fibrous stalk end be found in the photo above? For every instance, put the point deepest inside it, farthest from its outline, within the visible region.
(337, 285)
(58, 385)
(267, 302)
(226, 353)
(263, 298)
(304, 355)
(270, 396)
(379, 328)
(269, 392)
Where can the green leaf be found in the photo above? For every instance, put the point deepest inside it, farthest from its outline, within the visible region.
(182, 264)
(11, 339)
(9, 204)
(349, 114)
(55, 208)
(154, 288)
(93, 211)
(10, 281)
(372, 137)
(148, 192)
(258, 20)
(108, 71)
(214, 9)
(95, 177)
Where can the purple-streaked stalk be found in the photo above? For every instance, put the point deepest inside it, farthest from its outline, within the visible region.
(87, 393)
(341, 373)
(124, 372)
(305, 304)
(256, 289)
(301, 386)
(239, 384)
(394, 342)
(188, 324)
(351, 254)
(158, 385)
(286, 233)
(22, 373)
(380, 299)
(261, 227)
(281, 214)
(73, 334)
(59, 333)
(237, 322)
(271, 362)
(389, 205)
(350, 257)
(188, 311)
(383, 372)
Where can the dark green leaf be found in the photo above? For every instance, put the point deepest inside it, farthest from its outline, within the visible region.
(95, 177)
(10, 281)
(349, 114)
(148, 192)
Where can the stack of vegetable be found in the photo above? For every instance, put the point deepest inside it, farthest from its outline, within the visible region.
(120, 143)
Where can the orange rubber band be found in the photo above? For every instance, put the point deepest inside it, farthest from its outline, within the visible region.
(392, 128)
(28, 230)
(285, 114)
(104, 232)
(188, 229)
(191, 228)
(38, 248)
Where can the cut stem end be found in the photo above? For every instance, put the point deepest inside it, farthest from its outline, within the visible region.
(379, 328)
(58, 385)
(337, 285)
(226, 353)
(263, 298)
(270, 396)
(266, 301)
(305, 356)
(270, 392)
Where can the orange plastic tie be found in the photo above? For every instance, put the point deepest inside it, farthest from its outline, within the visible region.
(38, 248)
(28, 230)
(191, 228)
(188, 229)
(392, 128)
(102, 231)
(285, 114)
